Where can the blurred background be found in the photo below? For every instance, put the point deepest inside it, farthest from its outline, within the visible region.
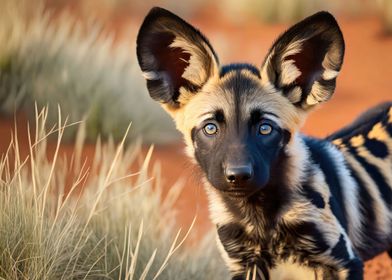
(80, 55)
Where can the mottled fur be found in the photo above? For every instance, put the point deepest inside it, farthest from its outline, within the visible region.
(286, 206)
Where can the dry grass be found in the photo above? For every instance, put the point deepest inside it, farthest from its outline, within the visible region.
(76, 65)
(117, 228)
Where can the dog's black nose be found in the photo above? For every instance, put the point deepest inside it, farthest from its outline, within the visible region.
(239, 174)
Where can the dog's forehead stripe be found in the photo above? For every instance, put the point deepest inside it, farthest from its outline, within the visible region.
(236, 95)
(238, 67)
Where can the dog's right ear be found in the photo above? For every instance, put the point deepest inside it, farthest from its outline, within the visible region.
(305, 61)
(176, 59)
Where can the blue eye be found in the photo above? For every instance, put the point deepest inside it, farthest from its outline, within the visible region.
(265, 129)
(210, 129)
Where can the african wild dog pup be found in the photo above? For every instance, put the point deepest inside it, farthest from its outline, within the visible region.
(281, 201)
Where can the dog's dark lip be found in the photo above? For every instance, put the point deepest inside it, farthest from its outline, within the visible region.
(239, 192)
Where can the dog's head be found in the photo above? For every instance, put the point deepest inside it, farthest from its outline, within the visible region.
(237, 119)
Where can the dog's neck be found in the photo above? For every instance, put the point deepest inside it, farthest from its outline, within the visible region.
(265, 208)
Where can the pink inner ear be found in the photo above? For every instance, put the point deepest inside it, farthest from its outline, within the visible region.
(172, 61)
(309, 61)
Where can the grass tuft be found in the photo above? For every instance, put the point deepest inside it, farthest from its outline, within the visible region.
(117, 228)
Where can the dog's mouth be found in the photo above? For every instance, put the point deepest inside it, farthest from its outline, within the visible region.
(233, 190)
(239, 193)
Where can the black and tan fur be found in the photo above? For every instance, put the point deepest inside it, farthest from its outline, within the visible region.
(283, 203)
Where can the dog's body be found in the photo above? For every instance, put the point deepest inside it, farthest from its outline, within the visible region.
(281, 201)
(334, 214)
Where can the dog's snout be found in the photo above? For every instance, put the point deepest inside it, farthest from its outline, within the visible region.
(239, 174)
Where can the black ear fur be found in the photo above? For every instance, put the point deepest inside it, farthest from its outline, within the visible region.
(174, 56)
(305, 60)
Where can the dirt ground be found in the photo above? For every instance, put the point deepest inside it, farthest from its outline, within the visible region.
(364, 81)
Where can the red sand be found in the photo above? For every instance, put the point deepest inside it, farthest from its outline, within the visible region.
(365, 81)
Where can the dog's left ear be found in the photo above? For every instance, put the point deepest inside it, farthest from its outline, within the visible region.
(305, 61)
(176, 59)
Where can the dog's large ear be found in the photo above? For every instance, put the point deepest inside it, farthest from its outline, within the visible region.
(305, 60)
(176, 59)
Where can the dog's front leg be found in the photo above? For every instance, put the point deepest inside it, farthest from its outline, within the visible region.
(341, 261)
(349, 264)
(240, 253)
(352, 270)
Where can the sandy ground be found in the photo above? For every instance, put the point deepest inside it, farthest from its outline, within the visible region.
(364, 81)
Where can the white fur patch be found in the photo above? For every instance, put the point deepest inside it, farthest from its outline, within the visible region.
(332, 59)
(329, 74)
(383, 215)
(273, 118)
(298, 160)
(293, 48)
(290, 270)
(151, 75)
(289, 73)
(311, 100)
(350, 195)
(219, 213)
(295, 95)
(265, 81)
(195, 71)
(349, 246)
(385, 167)
(317, 94)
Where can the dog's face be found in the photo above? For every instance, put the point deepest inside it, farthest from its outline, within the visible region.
(237, 120)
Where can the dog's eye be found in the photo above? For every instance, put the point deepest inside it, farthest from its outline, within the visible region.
(210, 129)
(265, 129)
